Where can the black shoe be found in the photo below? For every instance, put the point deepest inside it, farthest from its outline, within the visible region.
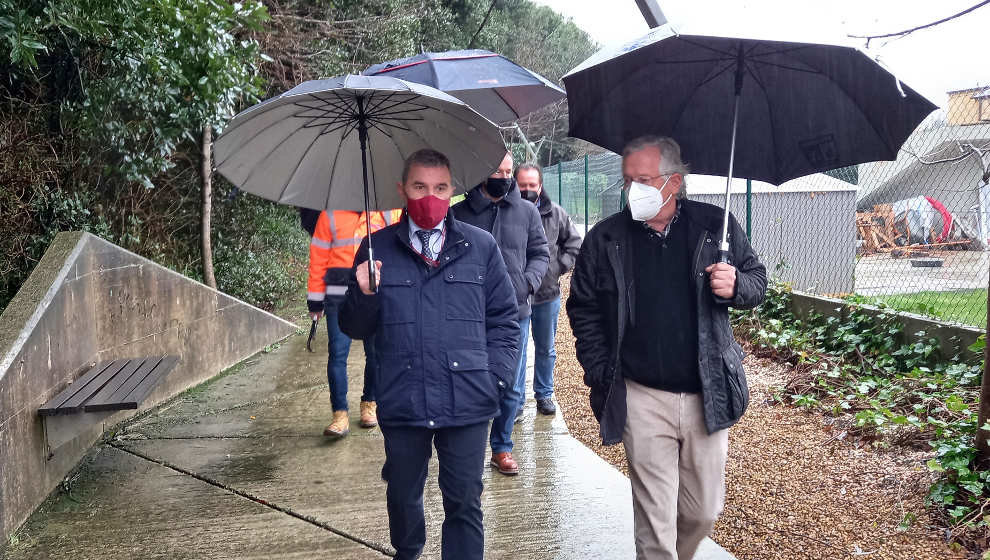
(546, 406)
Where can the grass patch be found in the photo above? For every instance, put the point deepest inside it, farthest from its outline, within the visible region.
(968, 307)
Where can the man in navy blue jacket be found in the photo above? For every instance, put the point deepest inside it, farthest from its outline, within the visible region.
(447, 340)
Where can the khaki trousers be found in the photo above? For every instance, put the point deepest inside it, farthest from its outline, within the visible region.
(677, 472)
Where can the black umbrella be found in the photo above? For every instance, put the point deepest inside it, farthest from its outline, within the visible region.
(491, 84)
(765, 110)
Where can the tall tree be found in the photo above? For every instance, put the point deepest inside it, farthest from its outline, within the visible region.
(155, 76)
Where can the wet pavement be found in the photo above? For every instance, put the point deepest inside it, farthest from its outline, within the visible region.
(238, 468)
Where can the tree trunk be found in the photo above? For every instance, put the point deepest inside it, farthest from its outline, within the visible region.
(982, 447)
(206, 171)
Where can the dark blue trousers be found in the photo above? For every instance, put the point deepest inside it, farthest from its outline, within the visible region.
(340, 346)
(461, 453)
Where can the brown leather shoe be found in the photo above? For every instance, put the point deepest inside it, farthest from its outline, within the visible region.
(505, 463)
(369, 416)
(340, 426)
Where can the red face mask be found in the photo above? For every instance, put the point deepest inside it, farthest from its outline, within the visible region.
(428, 211)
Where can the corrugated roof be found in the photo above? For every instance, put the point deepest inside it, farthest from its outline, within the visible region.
(886, 181)
(818, 182)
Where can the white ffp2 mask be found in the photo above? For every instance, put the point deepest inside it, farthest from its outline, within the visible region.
(645, 201)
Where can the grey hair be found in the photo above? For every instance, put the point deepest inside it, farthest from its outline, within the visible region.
(670, 157)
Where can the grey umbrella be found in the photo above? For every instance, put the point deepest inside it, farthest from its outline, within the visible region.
(764, 110)
(304, 147)
(341, 143)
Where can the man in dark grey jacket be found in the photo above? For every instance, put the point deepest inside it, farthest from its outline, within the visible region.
(649, 308)
(496, 206)
(564, 243)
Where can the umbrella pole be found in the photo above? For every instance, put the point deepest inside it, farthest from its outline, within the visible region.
(723, 248)
(363, 137)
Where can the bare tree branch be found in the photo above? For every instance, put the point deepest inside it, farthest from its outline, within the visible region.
(483, 23)
(913, 29)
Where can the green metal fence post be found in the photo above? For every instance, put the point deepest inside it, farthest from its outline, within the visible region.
(586, 217)
(560, 185)
(749, 209)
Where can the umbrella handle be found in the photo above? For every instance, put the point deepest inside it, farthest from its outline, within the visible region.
(724, 257)
(312, 335)
(372, 272)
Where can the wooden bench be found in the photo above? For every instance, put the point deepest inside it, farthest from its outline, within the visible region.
(104, 389)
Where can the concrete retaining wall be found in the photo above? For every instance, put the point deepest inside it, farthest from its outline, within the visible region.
(87, 301)
(952, 339)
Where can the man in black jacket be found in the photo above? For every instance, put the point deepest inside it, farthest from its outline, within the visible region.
(564, 243)
(649, 308)
(496, 206)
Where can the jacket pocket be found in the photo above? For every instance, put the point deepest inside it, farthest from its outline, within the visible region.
(597, 401)
(399, 382)
(735, 381)
(464, 297)
(398, 300)
(473, 386)
(553, 272)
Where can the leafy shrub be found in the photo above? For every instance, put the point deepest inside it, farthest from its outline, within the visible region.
(887, 390)
(260, 252)
(52, 211)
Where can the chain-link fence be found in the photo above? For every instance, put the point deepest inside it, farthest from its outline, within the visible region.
(589, 189)
(911, 233)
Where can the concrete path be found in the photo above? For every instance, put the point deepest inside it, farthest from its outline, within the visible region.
(239, 469)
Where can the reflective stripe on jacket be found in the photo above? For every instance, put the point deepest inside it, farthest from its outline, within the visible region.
(333, 247)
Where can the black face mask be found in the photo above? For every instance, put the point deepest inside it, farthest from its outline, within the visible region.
(532, 196)
(498, 187)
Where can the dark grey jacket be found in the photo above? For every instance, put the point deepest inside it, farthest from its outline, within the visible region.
(564, 243)
(515, 224)
(601, 305)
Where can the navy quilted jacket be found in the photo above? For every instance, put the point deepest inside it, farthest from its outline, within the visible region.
(447, 336)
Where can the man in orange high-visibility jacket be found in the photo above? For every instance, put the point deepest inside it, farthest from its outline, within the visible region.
(331, 256)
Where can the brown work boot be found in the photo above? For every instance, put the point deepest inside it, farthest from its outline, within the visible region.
(369, 418)
(340, 425)
(505, 463)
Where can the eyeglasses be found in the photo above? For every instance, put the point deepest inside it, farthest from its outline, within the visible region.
(643, 180)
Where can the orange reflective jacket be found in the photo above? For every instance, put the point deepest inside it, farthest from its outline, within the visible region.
(333, 247)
